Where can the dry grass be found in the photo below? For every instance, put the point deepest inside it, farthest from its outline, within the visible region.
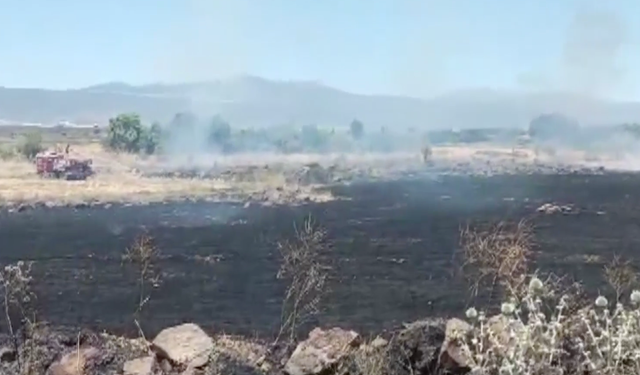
(240, 349)
(497, 257)
(117, 180)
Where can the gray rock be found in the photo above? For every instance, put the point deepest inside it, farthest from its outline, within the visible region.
(140, 366)
(321, 351)
(7, 354)
(452, 357)
(416, 347)
(76, 362)
(186, 344)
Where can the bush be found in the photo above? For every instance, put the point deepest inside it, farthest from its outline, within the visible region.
(125, 133)
(151, 139)
(553, 126)
(545, 326)
(530, 338)
(356, 129)
(312, 138)
(30, 145)
(7, 153)
(219, 131)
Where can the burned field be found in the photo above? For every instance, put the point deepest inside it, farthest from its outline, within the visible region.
(391, 247)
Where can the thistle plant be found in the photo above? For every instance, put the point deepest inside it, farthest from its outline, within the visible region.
(527, 338)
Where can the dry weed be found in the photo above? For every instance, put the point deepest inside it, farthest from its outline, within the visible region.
(303, 269)
(621, 276)
(498, 256)
(19, 299)
(143, 254)
(371, 359)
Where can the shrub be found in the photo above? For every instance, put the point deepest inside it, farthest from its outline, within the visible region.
(7, 153)
(151, 139)
(528, 338)
(302, 267)
(219, 131)
(356, 129)
(125, 133)
(554, 126)
(313, 138)
(30, 145)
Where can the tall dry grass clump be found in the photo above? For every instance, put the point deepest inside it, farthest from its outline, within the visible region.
(498, 256)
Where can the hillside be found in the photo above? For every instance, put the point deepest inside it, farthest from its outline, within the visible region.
(253, 101)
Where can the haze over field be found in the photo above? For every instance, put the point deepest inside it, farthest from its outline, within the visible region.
(249, 101)
(496, 64)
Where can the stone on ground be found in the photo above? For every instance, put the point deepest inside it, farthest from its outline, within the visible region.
(140, 366)
(76, 362)
(187, 345)
(321, 351)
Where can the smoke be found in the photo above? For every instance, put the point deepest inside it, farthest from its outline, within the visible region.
(590, 61)
(206, 42)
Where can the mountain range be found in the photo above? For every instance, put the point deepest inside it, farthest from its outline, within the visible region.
(250, 101)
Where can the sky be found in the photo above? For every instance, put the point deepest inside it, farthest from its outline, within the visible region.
(408, 47)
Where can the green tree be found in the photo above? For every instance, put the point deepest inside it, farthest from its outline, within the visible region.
(30, 145)
(183, 120)
(312, 138)
(553, 126)
(151, 139)
(126, 133)
(219, 131)
(356, 129)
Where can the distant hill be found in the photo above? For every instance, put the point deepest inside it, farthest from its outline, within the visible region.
(253, 101)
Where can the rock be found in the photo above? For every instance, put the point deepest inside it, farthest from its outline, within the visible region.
(417, 347)
(549, 208)
(7, 354)
(452, 355)
(321, 351)
(76, 362)
(44, 344)
(23, 207)
(140, 366)
(81, 206)
(186, 344)
(379, 342)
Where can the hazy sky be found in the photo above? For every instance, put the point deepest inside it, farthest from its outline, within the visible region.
(414, 47)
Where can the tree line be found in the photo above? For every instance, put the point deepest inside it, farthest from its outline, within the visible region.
(127, 133)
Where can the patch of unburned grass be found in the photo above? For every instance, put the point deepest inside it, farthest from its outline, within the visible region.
(117, 179)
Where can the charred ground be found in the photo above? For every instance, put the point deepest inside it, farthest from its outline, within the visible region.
(392, 247)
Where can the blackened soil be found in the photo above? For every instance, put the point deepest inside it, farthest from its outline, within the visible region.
(391, 250)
